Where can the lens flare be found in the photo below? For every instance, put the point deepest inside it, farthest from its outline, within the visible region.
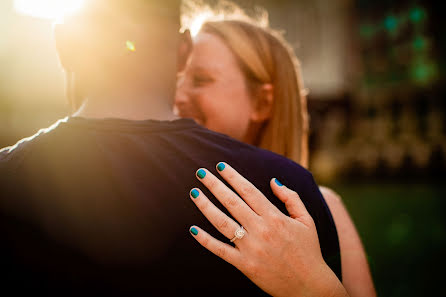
(130, 46)
(47, 9)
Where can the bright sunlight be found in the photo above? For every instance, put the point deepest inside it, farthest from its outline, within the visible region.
(48, 9)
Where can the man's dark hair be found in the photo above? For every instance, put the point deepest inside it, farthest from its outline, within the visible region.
(136, 8)
(93, 43)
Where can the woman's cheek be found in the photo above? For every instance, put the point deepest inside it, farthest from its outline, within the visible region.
(195, 108)
(234, 126)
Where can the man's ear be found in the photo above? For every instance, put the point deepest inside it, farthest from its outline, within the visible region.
(264, 102)
(184, 49)
(64, 46)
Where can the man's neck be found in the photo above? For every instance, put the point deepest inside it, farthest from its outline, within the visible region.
(142, 108)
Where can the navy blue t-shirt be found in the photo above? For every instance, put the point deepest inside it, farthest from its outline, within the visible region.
(102, 208)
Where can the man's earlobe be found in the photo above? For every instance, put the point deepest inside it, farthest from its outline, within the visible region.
(184, 49)
(61, 40)
(264, 103)
(68, 45)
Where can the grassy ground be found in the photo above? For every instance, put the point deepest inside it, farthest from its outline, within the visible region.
(403, 228)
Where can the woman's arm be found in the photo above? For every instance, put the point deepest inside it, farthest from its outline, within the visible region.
(279, 253)
(356, 275)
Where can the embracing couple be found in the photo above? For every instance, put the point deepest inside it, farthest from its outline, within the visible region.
(97, 204)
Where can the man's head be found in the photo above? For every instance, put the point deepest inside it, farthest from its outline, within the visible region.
(119, 47)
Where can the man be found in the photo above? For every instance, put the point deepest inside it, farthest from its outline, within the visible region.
(98, 203)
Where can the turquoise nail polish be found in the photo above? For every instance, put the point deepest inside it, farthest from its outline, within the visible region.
(221, 166)
(201, 173)
(278, 182)
(194, 193)
(193, 230)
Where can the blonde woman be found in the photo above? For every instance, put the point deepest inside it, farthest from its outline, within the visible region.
(243, 79)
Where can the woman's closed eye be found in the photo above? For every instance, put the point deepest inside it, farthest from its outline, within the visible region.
(201, 80)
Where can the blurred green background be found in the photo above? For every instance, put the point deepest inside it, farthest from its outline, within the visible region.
(375, 75)
(403, 229)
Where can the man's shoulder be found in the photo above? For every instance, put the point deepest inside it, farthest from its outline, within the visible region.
(20, 148)
(269, 161)
(250, 155)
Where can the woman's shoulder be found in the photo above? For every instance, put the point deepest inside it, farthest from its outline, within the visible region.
(330, 195)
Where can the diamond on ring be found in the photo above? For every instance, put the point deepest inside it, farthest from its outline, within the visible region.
(239, 233)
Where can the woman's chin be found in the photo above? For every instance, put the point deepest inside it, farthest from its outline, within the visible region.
(200, 121)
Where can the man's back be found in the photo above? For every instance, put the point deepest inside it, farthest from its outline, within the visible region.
(101, 207)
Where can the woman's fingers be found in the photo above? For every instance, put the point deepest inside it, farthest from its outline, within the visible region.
(220, 249)
(231, 201)
(294, 205)
(219, 219)
(250, 194)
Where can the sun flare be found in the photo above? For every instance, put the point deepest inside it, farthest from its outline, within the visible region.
(198, 22)
(47, 9)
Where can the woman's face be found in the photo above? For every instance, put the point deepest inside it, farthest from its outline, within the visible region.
(212, 90)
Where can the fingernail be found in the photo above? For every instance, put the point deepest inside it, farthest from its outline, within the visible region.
(194, 193)
(193, 230)
(278, 182)
(221, 166)
(201, 173)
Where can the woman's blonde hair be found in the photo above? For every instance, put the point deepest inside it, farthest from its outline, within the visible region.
(266, 58)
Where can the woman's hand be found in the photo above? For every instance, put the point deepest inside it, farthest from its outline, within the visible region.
(280, 254)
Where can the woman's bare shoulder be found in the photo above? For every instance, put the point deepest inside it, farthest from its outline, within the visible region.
(356, 274)
(330, 195)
